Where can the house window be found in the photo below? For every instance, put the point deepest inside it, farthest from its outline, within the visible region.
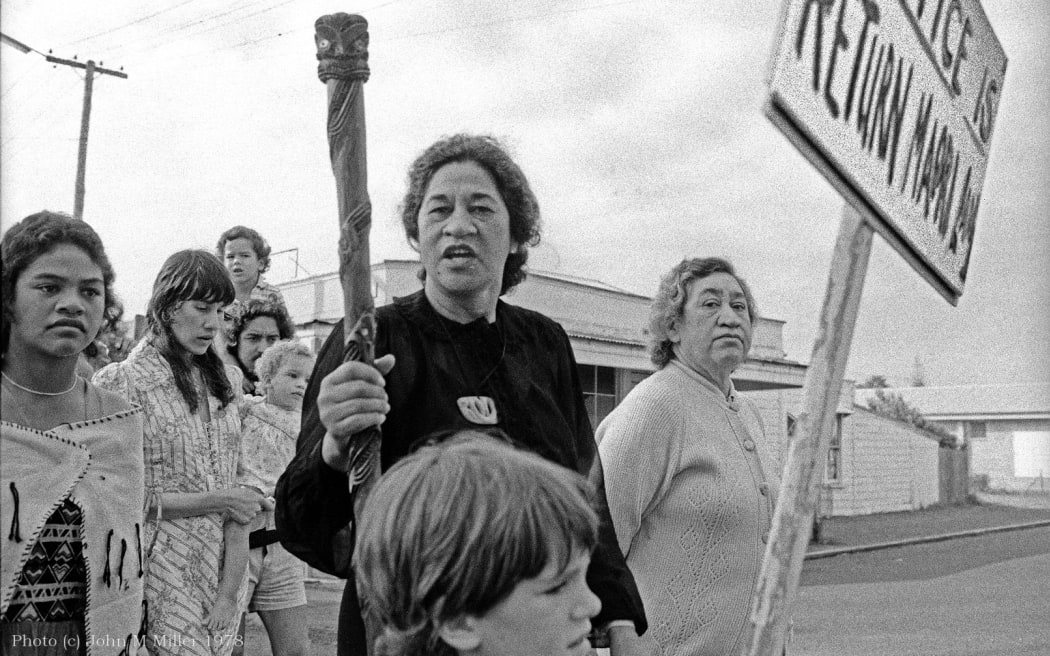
(599, 391)
(976, 430)
(833, 467)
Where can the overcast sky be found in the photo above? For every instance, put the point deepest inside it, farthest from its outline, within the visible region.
(639, 125)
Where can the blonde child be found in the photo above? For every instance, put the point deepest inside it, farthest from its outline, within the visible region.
(471, 546)
(275, 578)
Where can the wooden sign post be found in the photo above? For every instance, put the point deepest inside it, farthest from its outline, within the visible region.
(803, 469)
(894, 102)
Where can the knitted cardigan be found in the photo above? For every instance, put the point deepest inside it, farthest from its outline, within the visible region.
(690, 479)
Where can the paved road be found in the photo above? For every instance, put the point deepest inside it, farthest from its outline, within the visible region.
(979, 596)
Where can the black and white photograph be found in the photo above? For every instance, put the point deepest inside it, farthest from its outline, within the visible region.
(559, 327)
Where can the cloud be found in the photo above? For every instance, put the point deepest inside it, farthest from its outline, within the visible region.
(639, 125)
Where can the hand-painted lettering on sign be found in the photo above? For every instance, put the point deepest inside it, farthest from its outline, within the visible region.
(895, 101)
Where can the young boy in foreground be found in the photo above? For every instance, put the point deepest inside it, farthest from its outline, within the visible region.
(473, 547)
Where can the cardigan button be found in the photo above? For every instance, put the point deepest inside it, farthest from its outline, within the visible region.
(749, 444)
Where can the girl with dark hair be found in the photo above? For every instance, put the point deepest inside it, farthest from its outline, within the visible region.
(191, 445)
(71, 471)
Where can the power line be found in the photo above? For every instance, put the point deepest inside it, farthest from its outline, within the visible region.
(53, 106)
(190, 25)
(382, 6)
(247, 42)
(14, 84)
(134, 22)
(252, 42)
(515, 19)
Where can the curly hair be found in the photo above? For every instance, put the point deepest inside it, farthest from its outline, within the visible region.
(668, 305)
(34, 236)
(259, 245)
(190, 275)
(272, 358)
(254, 309)
(513, 186)
(453, 528)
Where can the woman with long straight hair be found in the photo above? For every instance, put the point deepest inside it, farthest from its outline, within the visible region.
(71, 473)
(191, 443)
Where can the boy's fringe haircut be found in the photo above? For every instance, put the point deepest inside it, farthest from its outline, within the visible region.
(452, 529)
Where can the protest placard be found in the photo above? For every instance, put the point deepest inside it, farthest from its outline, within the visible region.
(894, 102)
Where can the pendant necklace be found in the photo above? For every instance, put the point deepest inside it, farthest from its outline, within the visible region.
(476, 409)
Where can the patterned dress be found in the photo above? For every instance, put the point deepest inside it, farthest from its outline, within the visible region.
(182, 453)
(268, 445)
(263, 291)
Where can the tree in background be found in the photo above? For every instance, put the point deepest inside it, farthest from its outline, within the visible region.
(876, 381)
(892, 405)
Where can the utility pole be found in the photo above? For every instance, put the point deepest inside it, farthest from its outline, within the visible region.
(85, 117)
(85, 120)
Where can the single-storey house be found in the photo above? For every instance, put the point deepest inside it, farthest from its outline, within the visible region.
(874, 464)
(1005, 427)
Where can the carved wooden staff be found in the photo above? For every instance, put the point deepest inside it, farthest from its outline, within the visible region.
(342, 50)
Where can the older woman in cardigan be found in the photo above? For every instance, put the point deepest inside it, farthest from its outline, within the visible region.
(689, 472)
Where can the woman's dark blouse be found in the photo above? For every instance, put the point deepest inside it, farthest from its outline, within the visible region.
(536, 388)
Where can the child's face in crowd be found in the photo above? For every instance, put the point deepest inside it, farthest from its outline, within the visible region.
(549, 615)
(241, 261)
(289, 383)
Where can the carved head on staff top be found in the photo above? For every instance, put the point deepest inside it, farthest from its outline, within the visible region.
(342, 47)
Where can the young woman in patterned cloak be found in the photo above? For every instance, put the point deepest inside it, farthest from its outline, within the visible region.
(71, 476)
(192, 437)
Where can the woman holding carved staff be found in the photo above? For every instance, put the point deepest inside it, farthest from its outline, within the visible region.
(71, 463)
(453, 355)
